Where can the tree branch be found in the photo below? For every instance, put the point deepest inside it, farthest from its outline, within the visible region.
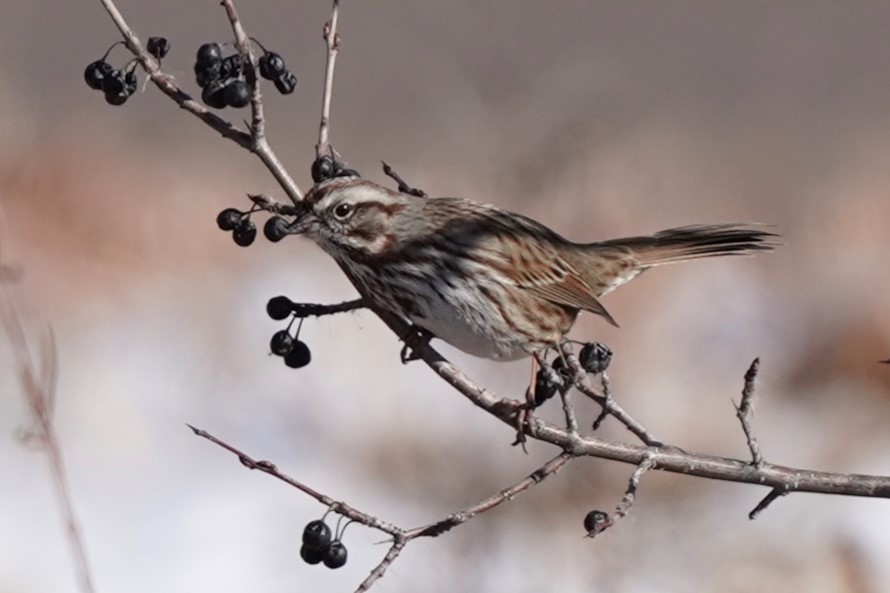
(332, 43)
(165, 83)
(39, 396)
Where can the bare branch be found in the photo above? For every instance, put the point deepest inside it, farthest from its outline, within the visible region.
(380, 569)
(668, 458)
(609, 402)
(269, 468)
(508, 493)
(745, 410)
(332, 43)
(40, 404)
(403, 186)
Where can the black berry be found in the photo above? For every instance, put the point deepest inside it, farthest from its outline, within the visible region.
(316, 535)
(96, 72)
(229, 218)
(213, 95)
(275, 229)
(158, 47)
(335, 555)
(282, 343)
(131, 82)
(547, 384)
(118, 99)
(345, 172)
(232, 67)
(299, 356)
(595, 522)
(285, 83)
(271, 66)
(244, 233)
(209, 55)
(236, 94)
(310, 555)
(322, 169)
(595, 357)
(279, 307)
(113, 83)
(116, 88)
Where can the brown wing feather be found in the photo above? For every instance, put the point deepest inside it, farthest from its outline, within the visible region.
(541, 271)
(572, 292)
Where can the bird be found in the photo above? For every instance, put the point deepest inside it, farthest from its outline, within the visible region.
(490, 282)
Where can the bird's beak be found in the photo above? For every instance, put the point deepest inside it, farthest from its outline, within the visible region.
(303, 221)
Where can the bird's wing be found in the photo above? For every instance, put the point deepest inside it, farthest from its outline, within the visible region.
(538, 268)
(570, 290)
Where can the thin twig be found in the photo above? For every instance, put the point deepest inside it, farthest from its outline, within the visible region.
(582, 382)
(228, 130)
(245, 48)
(773, 495)
(313, 310)
(380, 569)
(270, 468)
(536, 477)
(608, 402)
(402, 184)
(627, 501)
(332, 43)
(39, 402)
(745, 410)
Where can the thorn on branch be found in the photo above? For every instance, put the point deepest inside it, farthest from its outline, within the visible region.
(597, 521)
(745, 410)
(773, 495)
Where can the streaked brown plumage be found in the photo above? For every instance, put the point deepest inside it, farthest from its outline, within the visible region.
(493, 283)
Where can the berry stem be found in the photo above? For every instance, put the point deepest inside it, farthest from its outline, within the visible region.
(108, 51)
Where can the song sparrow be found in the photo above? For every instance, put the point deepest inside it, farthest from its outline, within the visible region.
(493, 283)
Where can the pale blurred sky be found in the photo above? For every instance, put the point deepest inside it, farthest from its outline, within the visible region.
(600, 119)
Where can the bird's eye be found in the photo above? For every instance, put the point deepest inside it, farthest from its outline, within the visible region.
(342, 211)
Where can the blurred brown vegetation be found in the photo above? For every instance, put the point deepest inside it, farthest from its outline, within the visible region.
(598, 118)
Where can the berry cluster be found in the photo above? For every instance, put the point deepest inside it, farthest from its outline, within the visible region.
(319, 546)
(594, 358)
(223, 80)
(295, 352)
(118, 84)
(242, 228)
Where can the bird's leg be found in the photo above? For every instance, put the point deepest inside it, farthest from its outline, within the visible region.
(525, 412)
(415, 339)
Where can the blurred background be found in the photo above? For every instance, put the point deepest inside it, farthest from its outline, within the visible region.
(600, 119)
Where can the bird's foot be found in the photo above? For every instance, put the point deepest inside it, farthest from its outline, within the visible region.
(415, 338)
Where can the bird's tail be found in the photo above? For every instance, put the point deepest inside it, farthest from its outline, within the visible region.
(633, 255)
